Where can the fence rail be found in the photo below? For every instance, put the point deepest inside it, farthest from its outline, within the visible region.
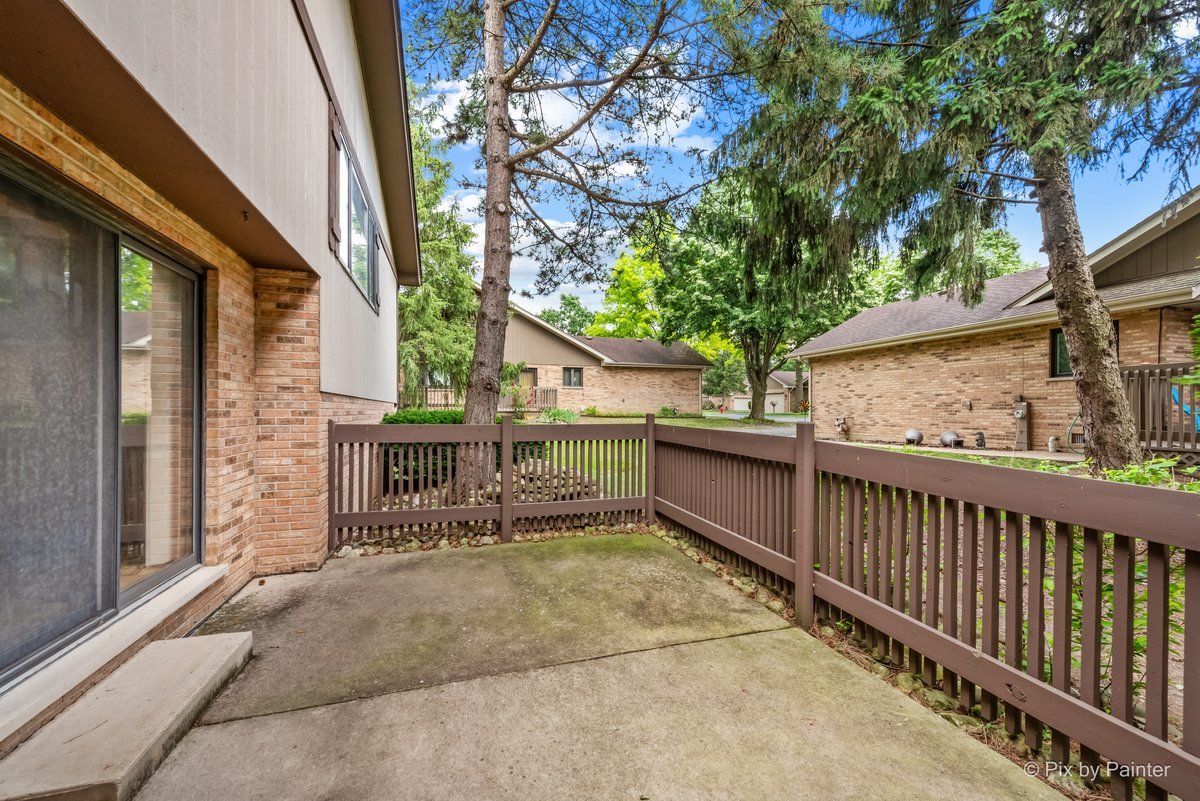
(532, 399)
(400, 480)
(1067, 607)
(1165, 412)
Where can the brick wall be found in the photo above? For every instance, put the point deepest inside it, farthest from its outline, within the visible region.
(625, 389)
(265, 416)
(968, 384)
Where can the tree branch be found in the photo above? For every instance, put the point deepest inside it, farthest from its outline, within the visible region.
(604, 99)
(1000, 198)
(523, 61)
(604, 197)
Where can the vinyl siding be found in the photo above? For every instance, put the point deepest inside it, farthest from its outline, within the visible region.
(1173, 252)
(530, 343)
(238, 77)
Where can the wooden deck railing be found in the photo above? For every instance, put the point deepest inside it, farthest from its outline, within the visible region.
(1067, 607)
(1165, 412)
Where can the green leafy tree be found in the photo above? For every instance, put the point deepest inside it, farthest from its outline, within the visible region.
(630, 308)
(436, 320)
(940, 118)
(726, 377)
(716, 283)
(570, 315)
(997, 252)
(137, 280)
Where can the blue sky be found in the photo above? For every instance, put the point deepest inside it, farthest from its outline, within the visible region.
(1108, 203)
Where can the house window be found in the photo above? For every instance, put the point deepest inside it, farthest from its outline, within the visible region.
(572, 376)
(354, 231)
(1060, 359)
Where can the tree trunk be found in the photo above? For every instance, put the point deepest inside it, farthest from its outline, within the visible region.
(483, 388)
(1112, 440)
(757, 371)
(476, 464)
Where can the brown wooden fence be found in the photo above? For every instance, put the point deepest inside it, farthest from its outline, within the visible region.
(400, 480)
(1165, 412)
(1068, 607)
(533, 399)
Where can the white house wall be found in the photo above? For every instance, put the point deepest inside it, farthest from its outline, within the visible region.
(238, 77)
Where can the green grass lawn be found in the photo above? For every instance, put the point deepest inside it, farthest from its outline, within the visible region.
(1023, 462)
(689, 422)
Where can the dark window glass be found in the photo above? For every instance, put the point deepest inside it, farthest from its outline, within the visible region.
(1060, 360)
(57, 287)
(158, 369)
(572, 376)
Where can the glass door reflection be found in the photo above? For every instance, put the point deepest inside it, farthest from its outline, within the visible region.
(158, 391)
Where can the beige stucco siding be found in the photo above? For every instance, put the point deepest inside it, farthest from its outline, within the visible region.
(239, 78)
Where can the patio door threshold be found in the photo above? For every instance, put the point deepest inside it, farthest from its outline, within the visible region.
(28, 699)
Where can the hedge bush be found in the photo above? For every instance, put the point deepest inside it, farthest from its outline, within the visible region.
(416, 417)
(408, 474)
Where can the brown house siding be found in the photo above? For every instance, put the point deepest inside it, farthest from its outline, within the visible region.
(929, 385)
(625, 389)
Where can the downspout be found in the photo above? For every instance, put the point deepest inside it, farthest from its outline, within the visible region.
(1158, 353)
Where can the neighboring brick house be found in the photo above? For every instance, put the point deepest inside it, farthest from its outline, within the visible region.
(782, 397)
(613, 374)
(937, 365)
(243, 170)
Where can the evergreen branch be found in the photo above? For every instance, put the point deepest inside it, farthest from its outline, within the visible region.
(604, 99)
(523, 60)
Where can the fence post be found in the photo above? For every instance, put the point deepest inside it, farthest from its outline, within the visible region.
(506, 477)
(330, 483)
(650, 517)
(805, 518)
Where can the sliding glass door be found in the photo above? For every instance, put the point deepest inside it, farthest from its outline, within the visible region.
(158, 390)
(99, 357)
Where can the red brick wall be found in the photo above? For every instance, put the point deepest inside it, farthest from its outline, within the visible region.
(968, 384)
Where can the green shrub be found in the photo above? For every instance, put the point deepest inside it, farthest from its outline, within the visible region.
(557, 415)
(590, 411)
(668, 411)
(135, 418)
(414, 417)
(1159, 472)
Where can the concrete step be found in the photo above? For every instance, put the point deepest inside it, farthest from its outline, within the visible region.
(108, 742)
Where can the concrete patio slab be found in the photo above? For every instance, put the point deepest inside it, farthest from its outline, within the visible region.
(380, 624)
(106, 743)
(768, 715)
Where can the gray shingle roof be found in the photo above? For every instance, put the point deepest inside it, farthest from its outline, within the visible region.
(645, 351)
(785, 377)
(938, 312)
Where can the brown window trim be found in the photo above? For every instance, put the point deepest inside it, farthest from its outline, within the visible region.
(337, 121)
(339, 149)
